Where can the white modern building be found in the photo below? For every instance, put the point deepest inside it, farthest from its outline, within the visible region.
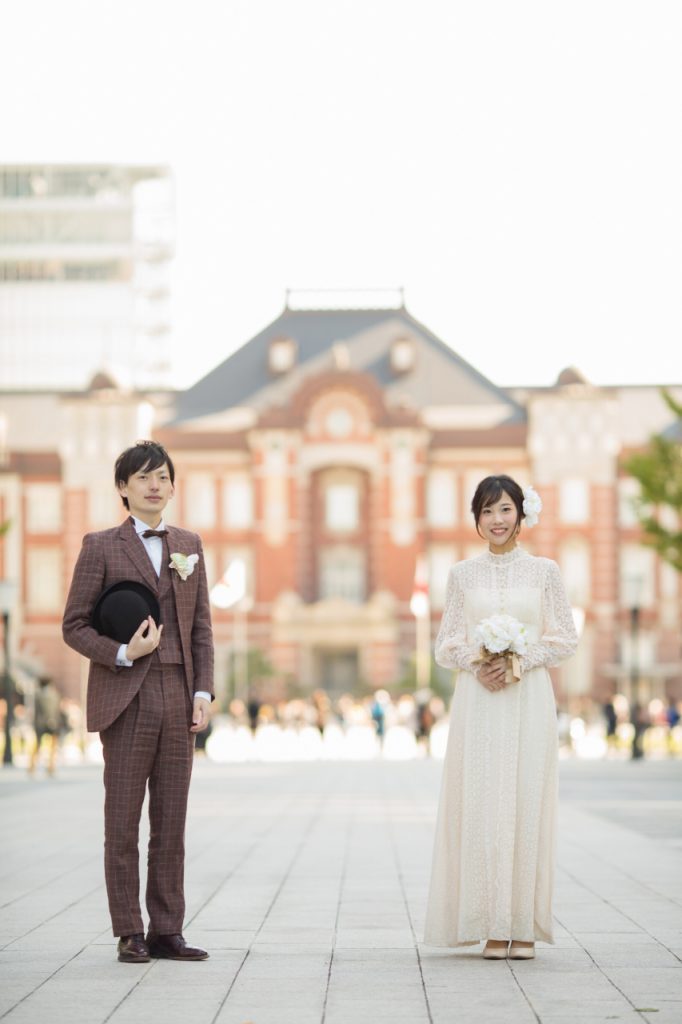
(85, 255)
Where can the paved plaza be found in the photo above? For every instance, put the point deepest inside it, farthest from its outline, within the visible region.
(307, 882)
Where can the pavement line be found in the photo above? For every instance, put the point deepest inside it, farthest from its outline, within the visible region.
(598, 966)
(143, 975)
(100, 885)
(401, 879)
(69, 906)
(614, 906)
(242, 860)
(247, 853)
(342, 883)
(313, 821)
(43, 982)
(37, 888)
(523, 992)
(638, 881)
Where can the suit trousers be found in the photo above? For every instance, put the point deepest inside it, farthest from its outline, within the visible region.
(148, 744)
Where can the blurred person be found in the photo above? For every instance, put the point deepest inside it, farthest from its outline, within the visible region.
(611, 718)
(345, 709)
(672, 713)
(253, 706)
(493, 860)
(406, 711)
(424, 718)
(47, 722)
(639, 719)
(150, 689)
(269, 713)
(237, 709)
(23, 732)
(563, 720)
(322, 709)
(378, 713)
(73, 730)
(672, 717)
(425, 721)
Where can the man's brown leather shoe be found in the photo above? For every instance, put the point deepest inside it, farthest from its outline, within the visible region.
(173, 947)
(132, 949)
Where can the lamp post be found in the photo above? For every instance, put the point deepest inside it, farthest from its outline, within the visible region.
(7, 596)
(634, 587)
(420, 607)
(230, 592)
(636, 712)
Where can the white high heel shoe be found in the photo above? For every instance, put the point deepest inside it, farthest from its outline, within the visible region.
(522, 952)
(495, 952)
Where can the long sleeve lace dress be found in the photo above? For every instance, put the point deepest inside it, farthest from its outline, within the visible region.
(493, 860)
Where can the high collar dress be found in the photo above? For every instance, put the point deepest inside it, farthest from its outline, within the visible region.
(493, 861)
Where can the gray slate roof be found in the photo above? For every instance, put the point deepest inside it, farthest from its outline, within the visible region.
(440, 377)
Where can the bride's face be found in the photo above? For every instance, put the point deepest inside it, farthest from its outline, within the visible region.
(498, 524)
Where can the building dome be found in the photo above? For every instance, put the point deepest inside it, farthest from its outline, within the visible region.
(102, 382)
(571, 375)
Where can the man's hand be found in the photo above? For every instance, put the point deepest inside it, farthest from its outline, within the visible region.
(201, 714)
(491, 675)
(141, 645)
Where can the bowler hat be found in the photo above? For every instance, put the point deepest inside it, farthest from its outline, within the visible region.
(122, 607)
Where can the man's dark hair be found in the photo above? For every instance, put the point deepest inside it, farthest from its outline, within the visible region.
(490, 490)
(142, 455)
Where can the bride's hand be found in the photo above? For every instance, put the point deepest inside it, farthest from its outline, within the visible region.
(491, 675)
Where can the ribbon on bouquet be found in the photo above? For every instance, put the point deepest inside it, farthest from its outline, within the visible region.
(513, 670)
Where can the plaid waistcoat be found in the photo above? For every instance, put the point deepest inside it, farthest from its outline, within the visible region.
(169, 651)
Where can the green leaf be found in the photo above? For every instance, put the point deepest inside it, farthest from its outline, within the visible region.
(658, 470)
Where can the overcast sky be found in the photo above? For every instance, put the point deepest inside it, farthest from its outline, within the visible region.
(516, 165)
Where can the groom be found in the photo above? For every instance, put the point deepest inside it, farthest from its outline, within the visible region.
(147, 696)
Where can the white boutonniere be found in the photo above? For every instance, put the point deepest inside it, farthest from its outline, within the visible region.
(183, 564)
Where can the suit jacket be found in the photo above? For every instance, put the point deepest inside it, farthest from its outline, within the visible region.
(111, 556)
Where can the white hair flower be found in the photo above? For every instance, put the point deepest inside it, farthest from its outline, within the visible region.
(532, 506)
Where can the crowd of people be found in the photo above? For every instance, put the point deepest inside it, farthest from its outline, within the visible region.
(48, 728)
(586, 728)
(43, 723)
(418, 712)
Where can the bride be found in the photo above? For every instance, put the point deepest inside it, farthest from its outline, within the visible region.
(493, 861)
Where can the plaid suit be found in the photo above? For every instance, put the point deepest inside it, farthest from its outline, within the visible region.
(143, 714)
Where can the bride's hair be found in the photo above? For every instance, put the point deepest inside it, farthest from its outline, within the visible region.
(490, 491)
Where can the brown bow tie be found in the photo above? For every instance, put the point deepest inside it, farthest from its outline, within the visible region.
(155, 533)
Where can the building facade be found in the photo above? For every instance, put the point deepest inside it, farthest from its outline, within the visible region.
(85, 254)
(329, 454)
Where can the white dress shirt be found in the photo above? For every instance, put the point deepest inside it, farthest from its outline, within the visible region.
(154, 548)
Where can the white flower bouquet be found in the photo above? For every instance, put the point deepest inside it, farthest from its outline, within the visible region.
(502, 636)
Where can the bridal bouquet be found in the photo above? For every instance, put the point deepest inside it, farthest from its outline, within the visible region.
(502, 636)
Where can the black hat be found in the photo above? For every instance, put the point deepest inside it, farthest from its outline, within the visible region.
(121, 608)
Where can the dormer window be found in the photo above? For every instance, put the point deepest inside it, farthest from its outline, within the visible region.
(402, 355)
(282, 355)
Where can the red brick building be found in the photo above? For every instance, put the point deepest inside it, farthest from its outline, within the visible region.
(328, 453)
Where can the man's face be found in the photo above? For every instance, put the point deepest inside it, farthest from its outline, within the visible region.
(148, 492)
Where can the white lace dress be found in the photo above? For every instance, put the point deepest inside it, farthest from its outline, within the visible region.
(493, 861)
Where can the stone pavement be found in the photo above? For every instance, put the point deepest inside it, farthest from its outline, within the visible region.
(307, 883)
